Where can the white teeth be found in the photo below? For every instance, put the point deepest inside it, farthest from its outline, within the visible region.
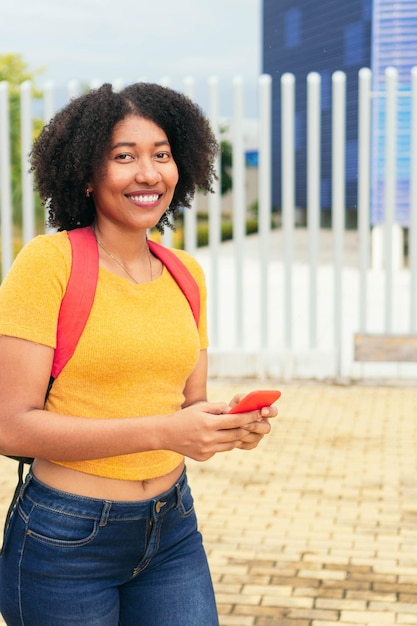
(145, 198)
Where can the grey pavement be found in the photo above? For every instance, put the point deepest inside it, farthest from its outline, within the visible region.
(318, 525)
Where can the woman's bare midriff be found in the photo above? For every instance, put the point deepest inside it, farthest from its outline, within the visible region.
(81, 484)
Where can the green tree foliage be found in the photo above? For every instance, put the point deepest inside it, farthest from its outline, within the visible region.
(15, 71)
(226, 166)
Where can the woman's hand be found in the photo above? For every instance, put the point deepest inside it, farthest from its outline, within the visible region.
(257, 429)
(206, 428)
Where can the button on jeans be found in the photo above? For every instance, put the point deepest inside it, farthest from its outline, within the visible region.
(69, 560)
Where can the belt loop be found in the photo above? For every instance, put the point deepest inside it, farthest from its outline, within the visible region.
(179, 497)
(105, 513)
(26, 483)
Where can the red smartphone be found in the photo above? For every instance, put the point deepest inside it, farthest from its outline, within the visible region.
(256, 400)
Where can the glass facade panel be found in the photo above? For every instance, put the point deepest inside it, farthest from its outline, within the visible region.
(302, 36)
(292, 28)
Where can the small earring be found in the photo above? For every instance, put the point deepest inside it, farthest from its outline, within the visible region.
(87, 193)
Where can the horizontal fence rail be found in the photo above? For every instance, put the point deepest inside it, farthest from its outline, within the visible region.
(288, 301)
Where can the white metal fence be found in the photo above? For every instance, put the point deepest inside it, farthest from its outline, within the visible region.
(287, 302)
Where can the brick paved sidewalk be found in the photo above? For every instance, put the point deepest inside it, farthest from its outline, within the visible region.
(318, 526)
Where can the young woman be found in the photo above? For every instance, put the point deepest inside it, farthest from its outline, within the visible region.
(104, 531)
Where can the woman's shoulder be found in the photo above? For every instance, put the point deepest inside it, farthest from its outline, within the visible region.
(32, 291)
(189, 261)
(49, 244)
(192, 265)
(47, 254)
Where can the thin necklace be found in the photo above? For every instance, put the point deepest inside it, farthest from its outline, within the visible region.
(122, 264)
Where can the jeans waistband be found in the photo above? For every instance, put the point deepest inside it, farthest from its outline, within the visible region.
(42, 495)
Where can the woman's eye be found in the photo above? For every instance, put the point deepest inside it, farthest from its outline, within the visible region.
(162, 155)
(123, 157)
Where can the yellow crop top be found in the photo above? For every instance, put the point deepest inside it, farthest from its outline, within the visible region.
(138, 348)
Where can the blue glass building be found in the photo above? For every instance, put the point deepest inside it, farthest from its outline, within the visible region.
(301, 36)
(394, 43)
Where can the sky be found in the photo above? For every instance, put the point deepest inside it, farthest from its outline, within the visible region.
(107, 40)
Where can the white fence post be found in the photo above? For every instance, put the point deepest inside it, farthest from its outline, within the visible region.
(264, 195)
(190, 215)
(167, 237)
(48, 101)
(214, 208)
(391, 76)
(313, 192)
(73, 89)
(338, 205)
(28, 204)
(48, 113)
(5, 181)
(288, 196)
(239, 201)
(364, 198)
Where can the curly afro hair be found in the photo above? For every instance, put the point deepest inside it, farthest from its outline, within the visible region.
(72, 148)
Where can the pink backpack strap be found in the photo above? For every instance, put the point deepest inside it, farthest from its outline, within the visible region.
(181, 274)
(78, 298)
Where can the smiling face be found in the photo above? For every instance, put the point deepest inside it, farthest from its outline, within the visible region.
(139, 176)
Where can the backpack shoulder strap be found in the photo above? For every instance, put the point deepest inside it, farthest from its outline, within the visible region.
(78, 298)
(79, 295)
(181, 274)
(73, 315)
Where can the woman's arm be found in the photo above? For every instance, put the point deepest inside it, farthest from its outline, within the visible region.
(196, 386)
(199, 431)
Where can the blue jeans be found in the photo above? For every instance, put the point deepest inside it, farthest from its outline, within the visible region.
(69, 560)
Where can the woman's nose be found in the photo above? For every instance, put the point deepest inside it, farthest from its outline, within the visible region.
(147, 172)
